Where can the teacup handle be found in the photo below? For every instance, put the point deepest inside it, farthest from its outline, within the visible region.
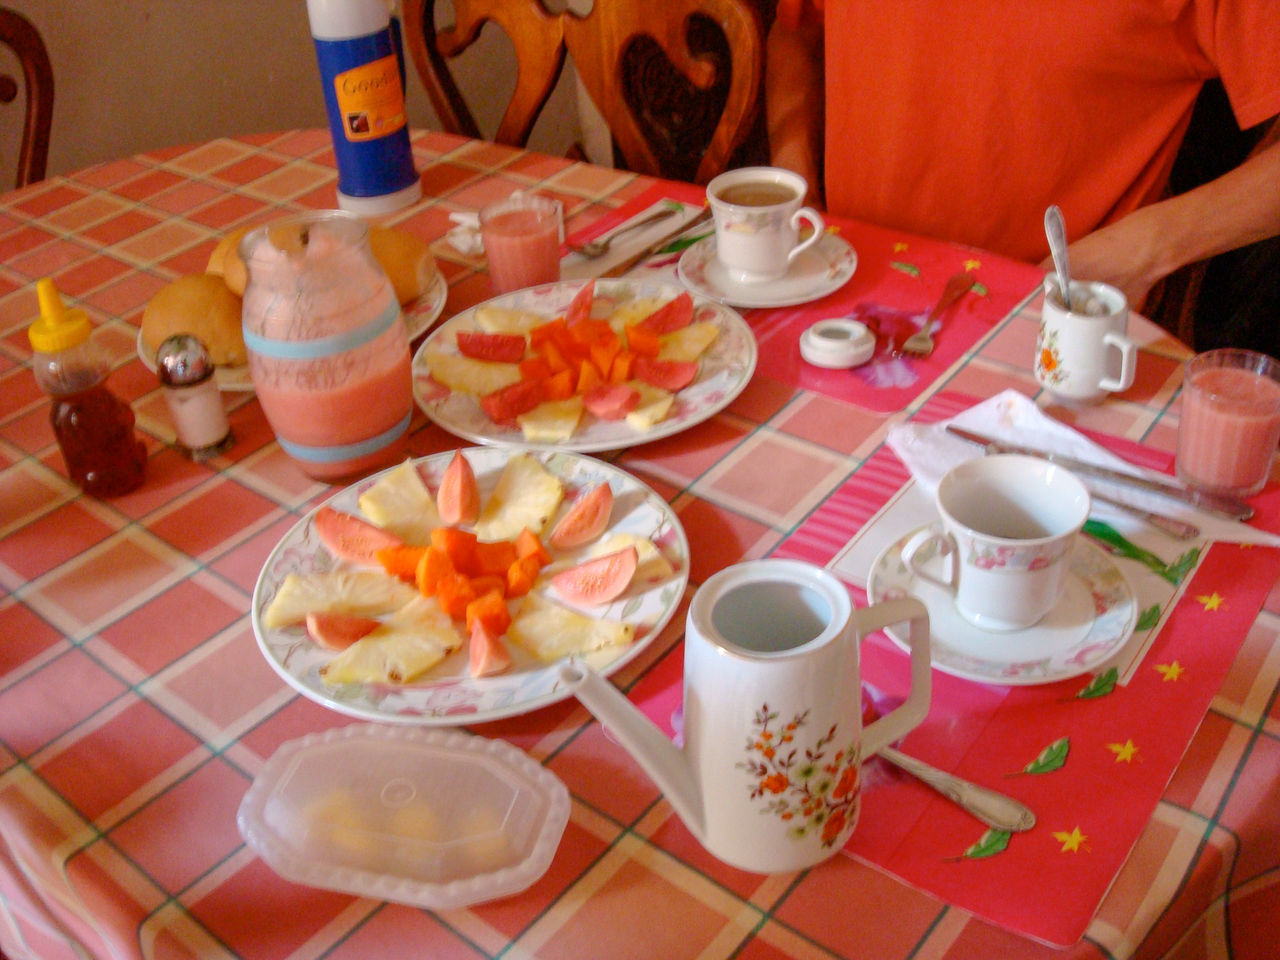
(897, 723)
(947, 549)
(815, 220)
(1128, 362)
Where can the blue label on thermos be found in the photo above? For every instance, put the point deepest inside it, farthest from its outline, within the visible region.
(364, 96)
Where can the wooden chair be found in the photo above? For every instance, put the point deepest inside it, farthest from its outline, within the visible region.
(678, 81)
(18, 34)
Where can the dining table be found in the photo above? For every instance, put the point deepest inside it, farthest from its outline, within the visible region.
(137, 705)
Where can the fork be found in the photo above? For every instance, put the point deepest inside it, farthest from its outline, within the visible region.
(920, 343)
(593, 249)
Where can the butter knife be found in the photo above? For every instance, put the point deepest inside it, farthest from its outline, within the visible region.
(619, 269)
(1224, 506)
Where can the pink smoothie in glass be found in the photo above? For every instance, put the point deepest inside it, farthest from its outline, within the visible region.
(523, 247)
(1229, 429)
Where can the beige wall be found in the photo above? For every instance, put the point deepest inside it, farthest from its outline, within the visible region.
(134, 75)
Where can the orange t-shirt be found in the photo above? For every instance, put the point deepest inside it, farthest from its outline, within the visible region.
(964, 120)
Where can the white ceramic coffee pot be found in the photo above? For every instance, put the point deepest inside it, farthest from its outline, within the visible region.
(769, 779)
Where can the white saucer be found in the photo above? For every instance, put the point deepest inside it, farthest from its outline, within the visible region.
(1092, 622)
(822, 269)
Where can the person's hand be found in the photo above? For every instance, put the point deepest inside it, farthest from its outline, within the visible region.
(1123, 254)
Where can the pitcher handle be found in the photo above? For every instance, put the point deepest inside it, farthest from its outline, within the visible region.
(897, 723)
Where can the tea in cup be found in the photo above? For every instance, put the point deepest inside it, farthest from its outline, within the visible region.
(1008, 525)
(1082, 354)
(1230, 421)
(758, 212)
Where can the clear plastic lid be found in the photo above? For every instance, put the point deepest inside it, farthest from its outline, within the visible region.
(432, 818)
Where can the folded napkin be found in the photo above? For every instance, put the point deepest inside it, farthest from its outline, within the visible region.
(928, 451)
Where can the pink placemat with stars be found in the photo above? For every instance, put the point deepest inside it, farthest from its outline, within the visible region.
(1091, 757)
(898, 279)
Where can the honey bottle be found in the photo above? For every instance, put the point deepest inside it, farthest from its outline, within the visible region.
(94, 428)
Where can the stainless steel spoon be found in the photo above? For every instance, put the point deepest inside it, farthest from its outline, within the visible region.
(593, 249)
(1056, 231)
(992, 808)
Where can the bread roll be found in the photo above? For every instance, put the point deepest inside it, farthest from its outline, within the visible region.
(407, 260)
(202, 305)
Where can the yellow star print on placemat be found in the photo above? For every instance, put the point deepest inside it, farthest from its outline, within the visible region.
(1210, 601)
(1073, 842)
(1125, 752)
(1171, 671)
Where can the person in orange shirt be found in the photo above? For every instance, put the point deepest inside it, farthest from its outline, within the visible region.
(964, 121)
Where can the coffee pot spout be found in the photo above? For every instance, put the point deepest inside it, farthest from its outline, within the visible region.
(664, 762)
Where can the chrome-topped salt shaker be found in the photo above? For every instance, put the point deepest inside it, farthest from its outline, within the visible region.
(186, 373)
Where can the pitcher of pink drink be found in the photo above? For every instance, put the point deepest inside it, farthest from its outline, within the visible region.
(328, 350)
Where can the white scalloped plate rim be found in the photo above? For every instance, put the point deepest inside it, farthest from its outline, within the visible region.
(724, 371)
(456, 699)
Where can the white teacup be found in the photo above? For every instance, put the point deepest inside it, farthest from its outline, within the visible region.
(758, 213)
(1082, 354)
(1009, 522)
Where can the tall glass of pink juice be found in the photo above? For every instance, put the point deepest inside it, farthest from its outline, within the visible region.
(328, 348)
(521, 237)
(1230, 421)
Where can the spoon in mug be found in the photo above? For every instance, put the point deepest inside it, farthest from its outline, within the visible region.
(594, 249)
(1056, 231)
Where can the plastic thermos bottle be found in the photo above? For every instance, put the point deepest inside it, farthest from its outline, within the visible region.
(362, 72)
(93, 427)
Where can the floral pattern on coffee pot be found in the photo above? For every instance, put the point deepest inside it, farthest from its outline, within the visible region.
(808, 788)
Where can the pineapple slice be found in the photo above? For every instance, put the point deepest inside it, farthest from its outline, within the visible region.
(410, 642)
(655, 403)
(688, 343)
(527, 495)
(362, 593)
(552, 421)
(492, 319)
(400, 502)
(550, 631)
(633, 311)
(470, 375)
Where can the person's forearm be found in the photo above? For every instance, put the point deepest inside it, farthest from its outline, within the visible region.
(794, 100)
(1238, 208)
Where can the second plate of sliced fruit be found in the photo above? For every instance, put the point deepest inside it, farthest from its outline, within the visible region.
(447, 590)
(583, 367)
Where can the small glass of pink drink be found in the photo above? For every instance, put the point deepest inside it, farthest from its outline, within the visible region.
(1230, 421)
(521, 237)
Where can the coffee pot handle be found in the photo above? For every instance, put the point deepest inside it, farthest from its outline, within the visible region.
(897, 723)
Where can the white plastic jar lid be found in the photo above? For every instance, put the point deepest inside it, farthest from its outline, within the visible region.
(837, 343)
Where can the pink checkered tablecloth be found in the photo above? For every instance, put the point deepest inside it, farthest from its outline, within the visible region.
(136, 709)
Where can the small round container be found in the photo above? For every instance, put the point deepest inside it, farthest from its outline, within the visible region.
(432, 818)
(186, 370)
(837, 344)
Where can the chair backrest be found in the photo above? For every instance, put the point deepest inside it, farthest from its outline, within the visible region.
(678, 82)
(18, 34)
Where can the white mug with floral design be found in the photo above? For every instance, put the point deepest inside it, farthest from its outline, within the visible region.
(1008, 525)
(1082, 354)
(769, 779)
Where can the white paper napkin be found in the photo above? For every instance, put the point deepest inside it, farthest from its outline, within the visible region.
(929, 452)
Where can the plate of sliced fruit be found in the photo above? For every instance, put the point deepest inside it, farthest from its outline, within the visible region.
(583, 367)
(448, 590)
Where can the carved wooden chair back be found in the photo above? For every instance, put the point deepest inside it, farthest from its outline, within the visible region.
(678, 82)
(17, 33)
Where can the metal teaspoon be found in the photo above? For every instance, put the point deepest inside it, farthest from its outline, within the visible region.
(1056, 231)
(992, 808)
